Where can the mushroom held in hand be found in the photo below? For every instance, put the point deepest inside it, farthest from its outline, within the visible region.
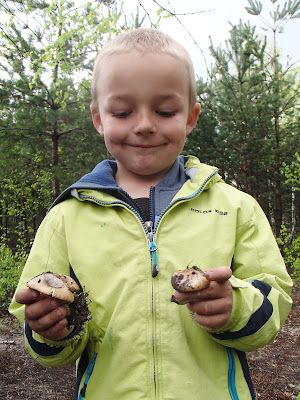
(56, 285)
(188, 280)
(64, 288)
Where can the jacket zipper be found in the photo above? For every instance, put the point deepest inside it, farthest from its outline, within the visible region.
(152, 248)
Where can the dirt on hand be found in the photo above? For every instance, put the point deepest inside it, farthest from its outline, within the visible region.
(275, 369)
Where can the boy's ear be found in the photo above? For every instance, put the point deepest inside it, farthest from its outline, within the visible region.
(97, 121)
(192, 118)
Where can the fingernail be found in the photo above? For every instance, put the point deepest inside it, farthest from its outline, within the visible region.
(59, 313)
(34, 294)
(61, 323)
(209, 275)
(54, 303)
(178, 295)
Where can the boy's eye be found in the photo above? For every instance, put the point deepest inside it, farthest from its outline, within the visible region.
(163, 113)
(121, 114)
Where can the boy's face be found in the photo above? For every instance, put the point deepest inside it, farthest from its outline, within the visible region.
(144, 112)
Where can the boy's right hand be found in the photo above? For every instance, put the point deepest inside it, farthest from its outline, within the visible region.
(44, 314)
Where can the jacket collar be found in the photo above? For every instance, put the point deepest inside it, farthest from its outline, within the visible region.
(102, 178)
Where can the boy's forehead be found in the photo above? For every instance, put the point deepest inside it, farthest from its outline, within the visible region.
(159, 73)
(142, 64)
(155, 76)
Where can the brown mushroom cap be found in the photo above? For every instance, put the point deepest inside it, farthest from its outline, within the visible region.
(72, 285)
(189, 280)
(55, 285)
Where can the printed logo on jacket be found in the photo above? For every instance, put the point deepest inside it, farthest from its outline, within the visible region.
(196, 210)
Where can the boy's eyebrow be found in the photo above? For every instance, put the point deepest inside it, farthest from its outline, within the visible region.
(160, 97)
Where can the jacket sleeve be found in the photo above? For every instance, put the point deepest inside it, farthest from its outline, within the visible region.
(261, 286)
(49, 253)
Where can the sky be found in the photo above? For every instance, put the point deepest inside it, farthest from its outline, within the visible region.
(214, 22)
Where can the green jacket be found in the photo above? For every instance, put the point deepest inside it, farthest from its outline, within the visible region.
(138, 344)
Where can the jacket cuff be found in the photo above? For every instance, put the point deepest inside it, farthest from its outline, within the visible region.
(38, 345)
(75, 335)
(46, 347)
(259, 317)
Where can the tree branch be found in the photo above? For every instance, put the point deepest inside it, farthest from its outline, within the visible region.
(175, 15)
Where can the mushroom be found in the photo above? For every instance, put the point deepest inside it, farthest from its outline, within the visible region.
(63, 288)
(188, 280)
(56, 285)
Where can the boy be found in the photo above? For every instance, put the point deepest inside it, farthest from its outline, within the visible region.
(124, 229)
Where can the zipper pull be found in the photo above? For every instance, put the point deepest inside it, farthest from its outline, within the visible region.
(152, 247)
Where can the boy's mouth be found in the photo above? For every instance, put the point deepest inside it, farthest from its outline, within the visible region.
(145, 146)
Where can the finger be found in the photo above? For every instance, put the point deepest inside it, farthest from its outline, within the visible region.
(50, 320)
(211, 307)
(40, 308)
(58, 331)
(220, 274)
(211, 321)
(187, 297)
(26, 296)
(211, 292)
(184, 298)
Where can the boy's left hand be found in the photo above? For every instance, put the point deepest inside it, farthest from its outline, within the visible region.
(212, 306)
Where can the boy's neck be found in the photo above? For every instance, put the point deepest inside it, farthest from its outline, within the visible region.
(137, 186)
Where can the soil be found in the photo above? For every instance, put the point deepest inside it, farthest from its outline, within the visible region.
(275, 369)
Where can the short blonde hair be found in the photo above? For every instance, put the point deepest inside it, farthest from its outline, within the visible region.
(144, 41)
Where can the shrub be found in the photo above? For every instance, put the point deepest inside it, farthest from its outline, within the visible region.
(290, 248)
(11, 267)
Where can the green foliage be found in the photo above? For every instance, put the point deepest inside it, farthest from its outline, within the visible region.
(290, 248)
(47, 51)
(47, 140)
(292, 172)
(255, 7)
(279, 15)
(237, 99)
(11, 267)
(248, 121)
(25, 197)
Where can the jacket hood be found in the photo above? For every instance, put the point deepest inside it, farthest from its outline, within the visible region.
(198, 172)
(184, 168)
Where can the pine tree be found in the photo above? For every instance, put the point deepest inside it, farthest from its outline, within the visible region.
(47, 50)
(280, 16)
(236, 124)
(47, 53)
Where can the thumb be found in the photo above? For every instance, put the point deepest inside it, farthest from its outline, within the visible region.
(26, 296)
(219, 274)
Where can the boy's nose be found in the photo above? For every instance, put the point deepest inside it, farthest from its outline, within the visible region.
(145, 123)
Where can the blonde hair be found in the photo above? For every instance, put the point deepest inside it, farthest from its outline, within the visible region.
(144, 41)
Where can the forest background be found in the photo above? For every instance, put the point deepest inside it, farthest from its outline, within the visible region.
(248, 126)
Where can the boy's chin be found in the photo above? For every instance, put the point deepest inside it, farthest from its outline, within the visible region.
(154, 172)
